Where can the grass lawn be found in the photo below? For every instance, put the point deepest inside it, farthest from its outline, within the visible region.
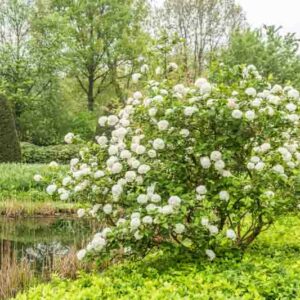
(270, 269)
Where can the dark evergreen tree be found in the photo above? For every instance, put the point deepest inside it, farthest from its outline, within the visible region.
(10, 150)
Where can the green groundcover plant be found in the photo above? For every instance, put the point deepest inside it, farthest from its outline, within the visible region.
(201, 166)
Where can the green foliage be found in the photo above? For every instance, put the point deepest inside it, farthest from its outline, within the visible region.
(276, 55)
(19, 177)
(269, 270)
(45, 154)
(10, 147)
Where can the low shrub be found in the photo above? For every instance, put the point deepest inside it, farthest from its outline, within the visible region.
(269, 270)
(45, 154)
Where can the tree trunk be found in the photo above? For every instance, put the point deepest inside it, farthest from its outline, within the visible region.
(90, 94)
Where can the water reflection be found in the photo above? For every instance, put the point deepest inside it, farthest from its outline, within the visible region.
(40, 240)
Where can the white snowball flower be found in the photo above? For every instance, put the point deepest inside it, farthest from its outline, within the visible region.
(98, 174)
(269, 194)
(51, 189)
(179, 228)
(204, 221)
(140, 149)
(147, 220)
(81, 254)
(113, 150)
(291, 107)
(255, 159)
(237, 114)
(116, 168)
(137, 235)
(213, 229)
(98, 242)
(130, 176)
(190, 110)
(259, 166)
(174, 201)
(117, 190)
(231, 234)
(201, 190)
(102, 121)
(80, 212)
(37, 177)
(155, 198)
(158, 144)
(251, 166)
(152, 111)
(107, 209)
(166, 210)
(152, 153)
(137, 95)
(143, 169)
(142, 199)
(224, 195)
(136, 77)
(151, 208)
(216, 155)
(250, 92)
(205, 162)
(294, 94)
(184, 132)
(69, 137)
(102, 140)
(64, 196)
(256, 102)
(112, 120)
(211, 254)
(135, 223)
(250, 115)
(163, 125)
(219, 165)
(278, 169)
(265, 147)
(125, 154)
(74, 162)
(134, 163)
(67, 180)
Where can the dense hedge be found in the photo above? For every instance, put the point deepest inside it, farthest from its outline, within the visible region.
(59, 153)
(269, 270)
(9, 143)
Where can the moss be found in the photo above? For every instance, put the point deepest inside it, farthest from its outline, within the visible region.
(10, 150)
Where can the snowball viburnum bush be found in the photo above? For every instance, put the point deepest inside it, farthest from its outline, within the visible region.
(199, 166)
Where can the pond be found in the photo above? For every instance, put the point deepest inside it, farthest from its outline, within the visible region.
(40, 241)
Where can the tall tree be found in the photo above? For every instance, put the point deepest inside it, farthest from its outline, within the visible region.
(28, 57)
(203, 25)
(103, 37)
(276, 55)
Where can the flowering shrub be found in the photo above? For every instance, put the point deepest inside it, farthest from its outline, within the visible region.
(201, 166)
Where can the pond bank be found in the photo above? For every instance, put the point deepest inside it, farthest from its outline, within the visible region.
(32, 248)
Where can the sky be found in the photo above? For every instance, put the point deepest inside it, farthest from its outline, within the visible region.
(273, 12)
(285, 13)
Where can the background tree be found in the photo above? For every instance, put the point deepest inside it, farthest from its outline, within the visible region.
(9, 146)
(203, 25)
(102, 38)
(29, 65)
(270, 51)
